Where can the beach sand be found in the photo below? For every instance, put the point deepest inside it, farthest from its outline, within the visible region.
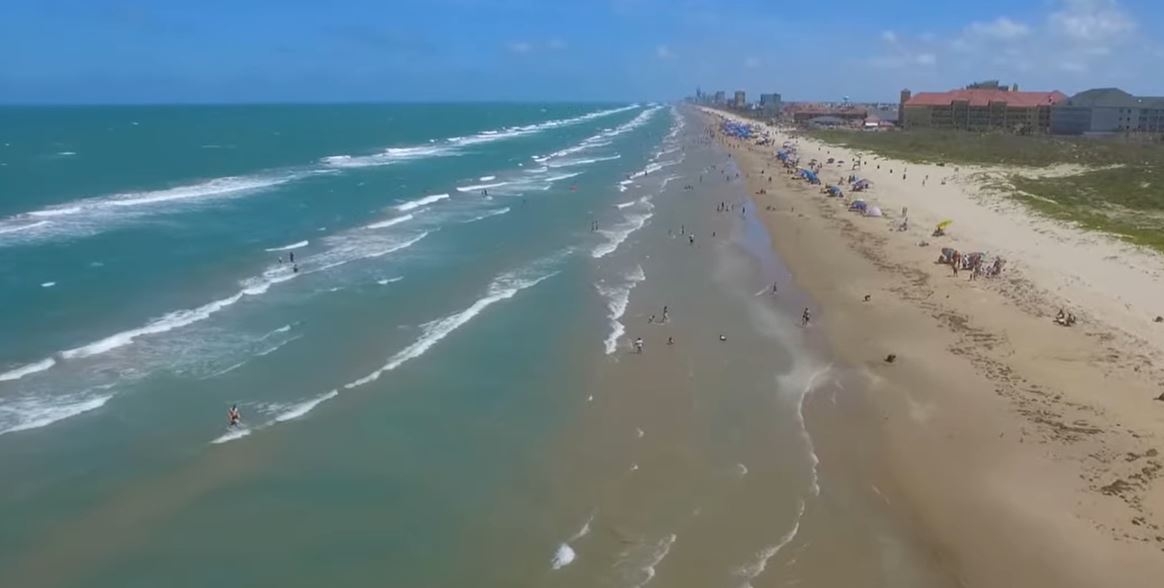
(1029, 452)
(690, 464)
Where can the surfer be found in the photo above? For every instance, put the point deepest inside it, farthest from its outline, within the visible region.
(233, 416)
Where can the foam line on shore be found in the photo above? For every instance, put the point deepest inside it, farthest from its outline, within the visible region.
(617, 298)
(565, 554)
(24, 414)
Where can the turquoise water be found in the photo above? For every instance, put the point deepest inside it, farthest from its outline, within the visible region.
(144, 294)
(440, 390)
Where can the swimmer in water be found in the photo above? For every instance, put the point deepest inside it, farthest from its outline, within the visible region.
(295, 268)
(233, 417)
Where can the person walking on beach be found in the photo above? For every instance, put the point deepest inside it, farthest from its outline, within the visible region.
(774, 289)
(805, 317)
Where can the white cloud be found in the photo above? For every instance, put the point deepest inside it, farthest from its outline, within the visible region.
(752, 62)
(519, 46)
(889, 36)
(999, 28)
(663, 52)
(1091, 21)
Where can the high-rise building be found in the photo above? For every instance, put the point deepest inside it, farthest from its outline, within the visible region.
(720, 97)
(740, 100)
(770, 102)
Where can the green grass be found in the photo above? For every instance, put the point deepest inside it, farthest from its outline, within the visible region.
(1127, 200)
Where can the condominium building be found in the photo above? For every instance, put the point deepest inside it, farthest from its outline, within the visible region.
(980, 110)
(1108, 110)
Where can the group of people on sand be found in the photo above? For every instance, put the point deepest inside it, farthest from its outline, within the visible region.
(1064, 319)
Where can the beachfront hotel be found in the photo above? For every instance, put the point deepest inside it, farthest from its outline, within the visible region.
(980, 109)
(1108, 111)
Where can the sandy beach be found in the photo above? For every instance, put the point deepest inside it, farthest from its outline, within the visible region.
(1029, 451)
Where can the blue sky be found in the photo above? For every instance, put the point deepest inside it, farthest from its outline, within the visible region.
(86, 51)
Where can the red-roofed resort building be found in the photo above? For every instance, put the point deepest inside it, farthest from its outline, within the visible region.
(979, 109)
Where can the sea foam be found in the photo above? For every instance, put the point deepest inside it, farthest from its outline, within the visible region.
(295, 245)
(502, 288)
(25, 370)
(420, 202)
(23, 414)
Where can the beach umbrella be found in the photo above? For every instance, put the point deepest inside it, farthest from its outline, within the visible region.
(945, 223)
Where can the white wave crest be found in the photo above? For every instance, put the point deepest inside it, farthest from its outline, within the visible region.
(620, 232)
(485, 215)
(23, 414)
(419, 202)
(390, 222)
(504, 287)
(617, 298)
(295, 245)
(25, 370)
(479, 187)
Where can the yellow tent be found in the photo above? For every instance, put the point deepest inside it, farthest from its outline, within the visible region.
(945, 224)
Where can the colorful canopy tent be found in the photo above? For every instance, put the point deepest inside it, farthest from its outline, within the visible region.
(740, 130)
(861, 184)
(872, 211)
(809, 175)
(836, 191)
(945, 223)
(858, 206)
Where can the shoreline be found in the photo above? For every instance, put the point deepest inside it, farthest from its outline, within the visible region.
(995, 423)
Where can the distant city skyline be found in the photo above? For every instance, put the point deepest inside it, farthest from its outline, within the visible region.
(135, 51)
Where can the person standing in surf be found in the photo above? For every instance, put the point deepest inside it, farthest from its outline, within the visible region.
(233, 417)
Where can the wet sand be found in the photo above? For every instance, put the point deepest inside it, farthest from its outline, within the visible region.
(999, 436)
(696, 464)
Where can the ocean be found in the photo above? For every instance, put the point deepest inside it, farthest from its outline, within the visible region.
(425, 314)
